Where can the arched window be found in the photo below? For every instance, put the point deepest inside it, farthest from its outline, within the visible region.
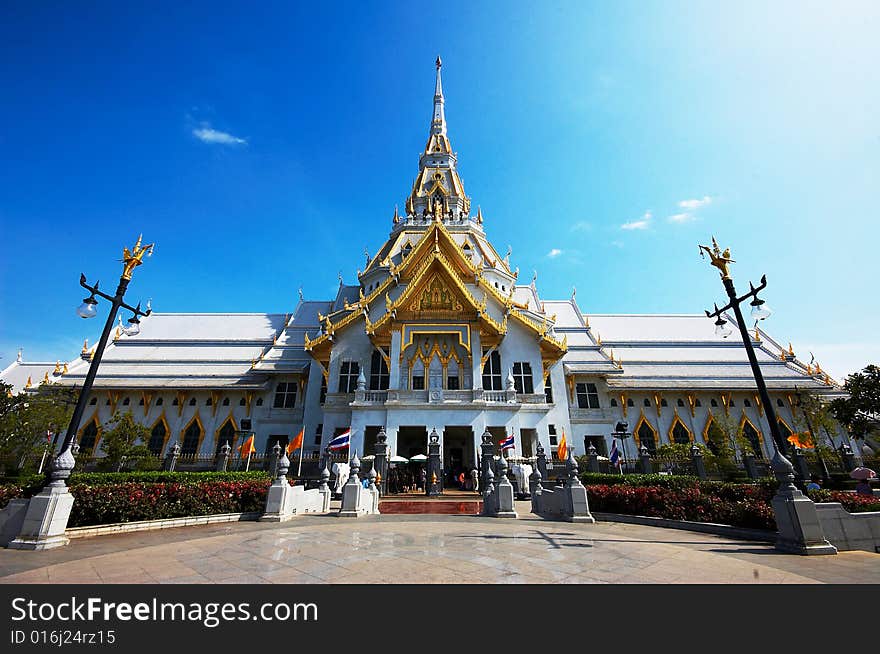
(93, 401)
(192, 402)
(452, 375)
(784, 428)
(714, 436)
(226, 434)
(418, 375)
(646, 402)
(679, 402)
(647, 436)
(492, 372)
(157, 437)
(679, 433)
(88, 438)
(159, 401)
(225, 401)
(713, 402)
(779, 402)
(192, 436)
(613, 402)
(378, 372)
(753, 438)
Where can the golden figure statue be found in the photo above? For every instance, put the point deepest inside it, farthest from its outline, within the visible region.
(134, 257)
(720, 260)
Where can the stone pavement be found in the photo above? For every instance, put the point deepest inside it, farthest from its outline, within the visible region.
(427, 549)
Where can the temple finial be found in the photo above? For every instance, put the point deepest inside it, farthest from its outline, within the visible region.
(438, 62)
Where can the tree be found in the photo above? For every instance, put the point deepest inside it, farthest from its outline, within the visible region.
(860, 411)
(27, 418)
(124, 441)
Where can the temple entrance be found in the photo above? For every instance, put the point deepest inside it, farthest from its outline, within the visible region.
(458, 457)
(412, 441)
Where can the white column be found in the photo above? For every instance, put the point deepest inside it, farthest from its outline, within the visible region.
(476, 354)
(394, 371)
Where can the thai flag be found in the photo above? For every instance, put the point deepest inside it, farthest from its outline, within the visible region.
(615, 454)
(340, 442)
(507, 443)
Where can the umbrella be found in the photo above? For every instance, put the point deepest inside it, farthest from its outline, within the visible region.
(862, 473)
(418, 457)
(398, 459)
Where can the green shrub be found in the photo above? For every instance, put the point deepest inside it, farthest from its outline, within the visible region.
(101, 504)
(737, 505)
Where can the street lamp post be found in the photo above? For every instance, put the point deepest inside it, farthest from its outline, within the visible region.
(722, 260)
(45, 519)
(620, 431)
(799, 529)
(64, 462)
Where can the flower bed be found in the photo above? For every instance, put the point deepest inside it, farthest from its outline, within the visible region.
(132, 501)
(739, 507)
(850, 501)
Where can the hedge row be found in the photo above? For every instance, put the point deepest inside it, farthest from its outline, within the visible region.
(132, 501)
(744, 507)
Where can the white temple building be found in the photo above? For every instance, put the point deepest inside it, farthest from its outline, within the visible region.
(439, 333)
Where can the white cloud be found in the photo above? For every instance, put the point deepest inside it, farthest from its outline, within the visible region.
(208, 135)
(581, 226)
(682, 218)
(643, 223)
(555, 252)
(693, 205)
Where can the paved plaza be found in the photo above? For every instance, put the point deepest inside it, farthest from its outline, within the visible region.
(427, 549)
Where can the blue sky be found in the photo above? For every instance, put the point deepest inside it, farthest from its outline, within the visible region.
(263, 146)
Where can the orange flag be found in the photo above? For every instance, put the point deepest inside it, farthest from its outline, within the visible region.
(247, 448)
(562, 450)
(801, 440)
(296, 443)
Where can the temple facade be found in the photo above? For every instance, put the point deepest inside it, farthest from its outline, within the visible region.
(439, 334)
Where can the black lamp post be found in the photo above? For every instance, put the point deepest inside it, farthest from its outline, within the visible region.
(64, 462)
(620, 431)
(722, 260)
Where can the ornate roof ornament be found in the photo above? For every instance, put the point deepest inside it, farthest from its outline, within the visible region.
(18, 358)
(479, 215)
(719, 259)
(85, 349)
(396, 218)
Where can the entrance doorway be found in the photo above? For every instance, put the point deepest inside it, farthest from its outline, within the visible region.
(412, 441)
(458, 455)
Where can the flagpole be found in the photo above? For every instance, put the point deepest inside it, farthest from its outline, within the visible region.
(302, 447)
(248, 464)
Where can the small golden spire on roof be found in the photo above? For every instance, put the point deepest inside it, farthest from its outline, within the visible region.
(396, 218)
(479, 215)
(85, 349)
(757, 334)
(790, 349)
(57, 370)
(64, 369)
(46, 377)
(29, 382)
(598, 339)
(809, 369)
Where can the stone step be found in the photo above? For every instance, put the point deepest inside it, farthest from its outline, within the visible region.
(433, 506)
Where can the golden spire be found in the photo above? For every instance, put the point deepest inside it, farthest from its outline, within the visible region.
(29, 382)
(396, 218)
(757, 334)
(46, 377)
(479, 215)
(598, 339)
(64, 370)
(809, 369)
(57, 370)
(790, 349)
(85, 349)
